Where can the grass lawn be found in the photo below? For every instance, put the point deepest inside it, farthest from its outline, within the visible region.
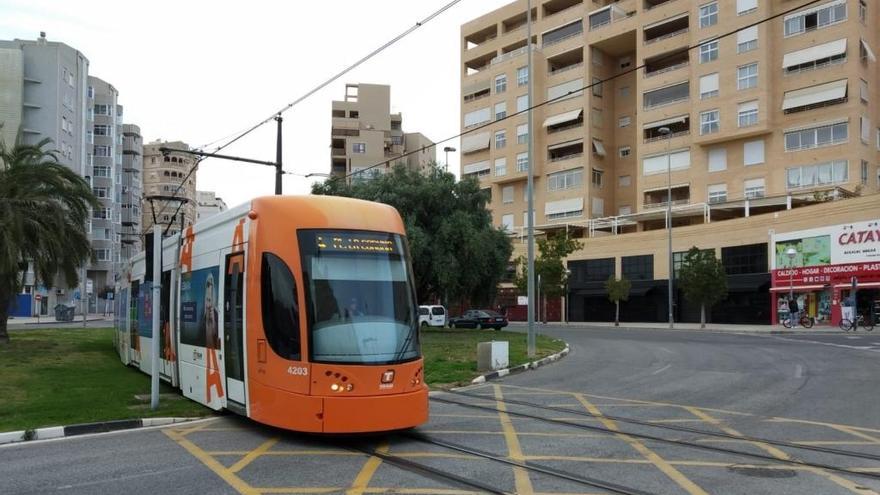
(451, 354)
(72, 375)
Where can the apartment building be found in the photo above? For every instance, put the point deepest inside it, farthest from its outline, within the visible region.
(208, 204)
(169, 189)
(131, 190)
(757, 118)
(365, 133)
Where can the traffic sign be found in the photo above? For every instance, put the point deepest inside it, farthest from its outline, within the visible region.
(38, 297)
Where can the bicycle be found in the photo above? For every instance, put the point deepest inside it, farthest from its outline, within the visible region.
(804, 321)
(848, 325)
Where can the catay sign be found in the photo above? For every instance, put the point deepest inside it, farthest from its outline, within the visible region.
(857, 242)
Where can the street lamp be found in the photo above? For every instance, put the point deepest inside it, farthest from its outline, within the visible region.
(447, 149)
(791, 253)
(665, 131)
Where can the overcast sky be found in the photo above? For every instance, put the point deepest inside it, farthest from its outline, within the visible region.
(198, 71)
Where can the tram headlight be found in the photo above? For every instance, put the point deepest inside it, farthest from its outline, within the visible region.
(335, 387)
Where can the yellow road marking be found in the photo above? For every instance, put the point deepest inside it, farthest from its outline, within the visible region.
(484, 416)
(817, 423)
(359, 485)
(779, 454)
(421, 491)
(834, 442)
(850, 431)
(661, 463)
(520, 433)
(285, 452)
(230, 478)
(252, 455)
(521, 476)
(297, 489)
(191, 429)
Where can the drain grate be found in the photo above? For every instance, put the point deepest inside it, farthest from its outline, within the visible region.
(763, 472)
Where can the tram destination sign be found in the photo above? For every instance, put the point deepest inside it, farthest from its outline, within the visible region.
(357, 242)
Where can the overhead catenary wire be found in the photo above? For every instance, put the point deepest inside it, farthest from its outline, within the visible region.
(598, 82)
(288, 106)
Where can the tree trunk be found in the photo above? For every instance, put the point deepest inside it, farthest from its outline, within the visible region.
(616, 313)
(702, 316)
(4, 315)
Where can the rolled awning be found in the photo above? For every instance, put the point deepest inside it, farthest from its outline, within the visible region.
(818, 52)
(563, 117)
(660, 123)
(868, 51)
(473, 168)
(834, 90)
(598, 147)
(563, 206)
(563, 145)
(475, 142)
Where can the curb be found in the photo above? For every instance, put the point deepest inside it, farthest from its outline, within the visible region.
(86, 428)
(732, 331)
(523, 367)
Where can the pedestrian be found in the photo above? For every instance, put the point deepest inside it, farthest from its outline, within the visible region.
(794, 312)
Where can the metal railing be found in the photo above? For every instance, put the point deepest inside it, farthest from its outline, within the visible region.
(823, 65)
(573, 125)
(667, 102)
(667, 36)
(545, 44)
(663, 204)
(565, 157)
(512, 54)
(669, 136)
(666, 69)
(565, 69)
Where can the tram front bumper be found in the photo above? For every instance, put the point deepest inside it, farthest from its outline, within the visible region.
(376, 413)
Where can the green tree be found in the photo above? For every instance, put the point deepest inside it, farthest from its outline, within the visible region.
(618, 290)
(549, 265)
(703, 280)
(44, 207)
(456, 252)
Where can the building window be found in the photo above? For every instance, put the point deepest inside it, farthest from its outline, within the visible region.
(717, 193)
(665, 96)
(815, 137)
(477, 117)
(624, 181)
(744, 7)
(717, 159)
(596, 117)
(596, 178)
(567, 179)
(863, 90)
(522, 134)
(709, 51)
(624, 91)
(821, 174)
(522, 103)
(522, 162)
(637, 267)
(624, 151)
(507, 194)
(500, 140)
(754, 188)
(102, 110)
(100, 192)
(358, 147)
(398, 140)
(815, 18)
(753, 152)
(863, 11)
(747, 114)
(740, 260)
(597, 87)
(507, 222)
(91, 92)
(747, 76)
(591, 270)
(709, 15)
(624, 121)
(101, 150)
(101, 254)
(597, 208)
(102, 130)
(500, 167)
(747, 39)
(709, 86)
(500, 110)
(597, 56)
(500, 84)
(709, 122)
(522, 76)
(864, 173)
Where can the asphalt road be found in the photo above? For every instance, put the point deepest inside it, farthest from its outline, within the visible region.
(672, 404)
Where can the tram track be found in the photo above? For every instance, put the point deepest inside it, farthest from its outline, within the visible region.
(683, 429)
(647, 436)
(460, 481)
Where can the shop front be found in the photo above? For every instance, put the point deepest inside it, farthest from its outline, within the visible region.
(833, 272)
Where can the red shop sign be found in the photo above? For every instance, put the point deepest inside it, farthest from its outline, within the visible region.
(827, 274)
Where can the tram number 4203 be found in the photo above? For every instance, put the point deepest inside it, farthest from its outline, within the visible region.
(298, 370)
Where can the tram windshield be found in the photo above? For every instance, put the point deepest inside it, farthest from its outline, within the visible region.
(360, 297)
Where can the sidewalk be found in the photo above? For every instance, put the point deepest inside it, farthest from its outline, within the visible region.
(50, 320)
(695, 327)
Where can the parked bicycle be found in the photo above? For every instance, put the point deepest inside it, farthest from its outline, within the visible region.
(848, 325)
(804, 321)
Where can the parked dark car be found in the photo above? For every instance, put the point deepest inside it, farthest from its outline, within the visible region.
(479, 318)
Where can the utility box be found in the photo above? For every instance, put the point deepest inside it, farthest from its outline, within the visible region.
(492, 356)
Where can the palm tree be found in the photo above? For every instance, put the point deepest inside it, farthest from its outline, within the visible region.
(44, 207)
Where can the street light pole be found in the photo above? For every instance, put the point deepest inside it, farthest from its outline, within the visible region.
(530, 212)
(278, 171)
(447, 149)
(668, 133)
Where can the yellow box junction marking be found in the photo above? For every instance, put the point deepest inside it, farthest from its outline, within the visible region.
(366, 474)
(521, 476)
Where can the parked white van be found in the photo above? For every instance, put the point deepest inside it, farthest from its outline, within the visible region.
(432, 316)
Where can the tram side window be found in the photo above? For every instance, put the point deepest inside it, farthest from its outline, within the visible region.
(280, 308)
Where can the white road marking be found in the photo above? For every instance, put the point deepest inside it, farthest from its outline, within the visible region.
(853, 337)
(804, 341)
(661, 370)
(799, 371)
(666, 350)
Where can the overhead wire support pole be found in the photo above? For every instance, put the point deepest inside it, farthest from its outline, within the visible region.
(530, 185)
(156, 309)
(278, 171)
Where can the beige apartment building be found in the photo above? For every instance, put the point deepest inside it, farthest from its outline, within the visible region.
(162, 178)
(757, 118)
(364, 133)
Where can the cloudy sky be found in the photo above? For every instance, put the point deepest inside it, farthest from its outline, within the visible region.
(199, 71)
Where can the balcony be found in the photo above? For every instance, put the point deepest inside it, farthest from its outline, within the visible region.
(606, 15)
(511, 53)
(678, 126)
(666, 29)
(666, 62)
(653, 4)
(518, 21)
(563, 33)
(657, 198)
(565, 62)
(478, 64)
(565, 151)
(554, 7)
(666, 96)
(480, 37)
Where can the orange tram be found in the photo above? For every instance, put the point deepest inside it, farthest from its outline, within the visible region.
(296, 312)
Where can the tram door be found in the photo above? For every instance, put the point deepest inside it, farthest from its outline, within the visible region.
(233, 326)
